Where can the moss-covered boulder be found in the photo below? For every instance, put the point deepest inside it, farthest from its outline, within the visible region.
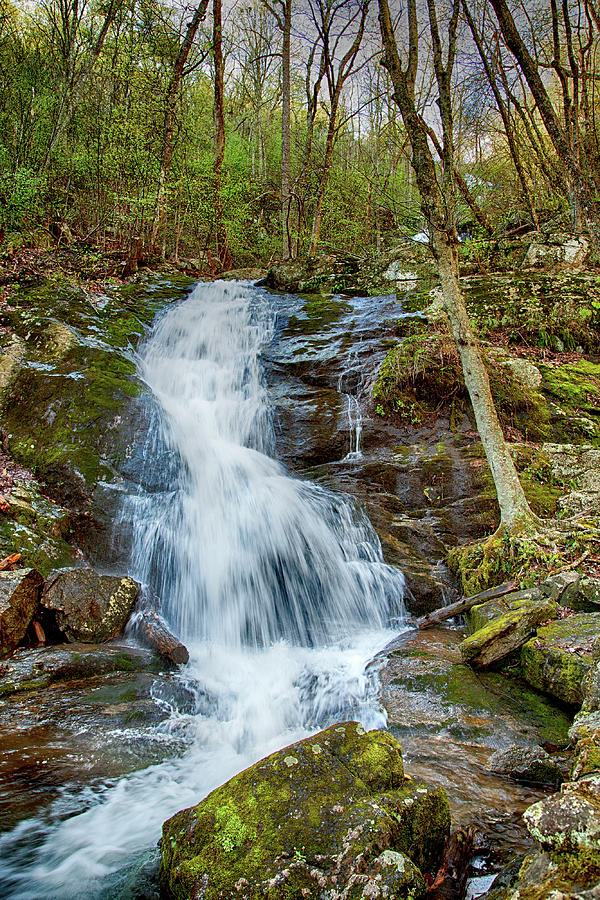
(506, 633)
(332, 815)
(568, 820)
(559, 657)
(19, 599)
(89, 607)
(481, 615)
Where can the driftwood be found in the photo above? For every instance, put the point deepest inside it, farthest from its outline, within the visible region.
(464, 605)
(153, 630)
(450, 883)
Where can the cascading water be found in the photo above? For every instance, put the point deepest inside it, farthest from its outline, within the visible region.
(277, 586)
(352, 371)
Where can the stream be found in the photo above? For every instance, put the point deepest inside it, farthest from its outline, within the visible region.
(275, 581)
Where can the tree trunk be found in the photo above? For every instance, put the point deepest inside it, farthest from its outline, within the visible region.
(223, 253)
(168, 143)
(514, 509)
(285, 128)
(73, 92)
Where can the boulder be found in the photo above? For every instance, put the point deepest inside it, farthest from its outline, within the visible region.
(332, 815)
(506, 633)
(558, 251)
(19, 599)
(481, 615)
(89, 607)
(530, 764)
(559, 657)
(568, 820)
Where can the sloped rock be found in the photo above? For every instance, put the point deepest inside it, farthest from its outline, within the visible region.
(34, 669)
(561, 655)
(531, 764)
(505, 634)
(332, 815)
(19, 599)
(89, 607)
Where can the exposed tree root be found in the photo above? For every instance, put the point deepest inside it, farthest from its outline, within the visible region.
(539, 549)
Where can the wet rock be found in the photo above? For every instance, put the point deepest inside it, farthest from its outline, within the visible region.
(559, 657)
(427, 690)
(506, 633)
(329, 814)
(19, 599)
(29, 670)
(530, 764)
(89, 607)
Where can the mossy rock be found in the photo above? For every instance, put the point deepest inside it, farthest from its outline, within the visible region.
(38, 529)
(481, 615)
(331, 812)
(543, 875)
(568, 821)
(506, 633)
(559, 657)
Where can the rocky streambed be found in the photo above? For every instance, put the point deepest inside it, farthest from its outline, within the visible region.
(75, 720)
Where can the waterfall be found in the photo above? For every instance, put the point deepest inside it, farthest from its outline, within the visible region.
(276, 584)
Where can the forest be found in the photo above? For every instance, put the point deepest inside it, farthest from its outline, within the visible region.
(234, 135)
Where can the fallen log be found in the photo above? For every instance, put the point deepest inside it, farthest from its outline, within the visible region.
(153, 631)
(464, 605)
(450, 883)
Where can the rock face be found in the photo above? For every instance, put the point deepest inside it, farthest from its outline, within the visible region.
(506, 633)
(19, 598)
(89, 607)
(560, 656)
(333, 815)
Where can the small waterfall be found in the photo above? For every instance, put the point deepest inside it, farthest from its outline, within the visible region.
(352, 378)
(277, 585)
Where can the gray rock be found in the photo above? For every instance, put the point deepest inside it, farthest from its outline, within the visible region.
(531, 764)
(505, 633)
(35, 669)
(569, 820)
(19, 599)
(89, 607)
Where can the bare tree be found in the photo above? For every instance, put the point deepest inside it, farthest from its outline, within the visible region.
(168, 141)
(223, 253)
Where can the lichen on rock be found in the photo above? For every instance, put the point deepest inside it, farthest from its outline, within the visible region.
(345, 821)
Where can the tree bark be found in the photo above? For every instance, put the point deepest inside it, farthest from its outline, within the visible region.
(515, 512)
(168, 142)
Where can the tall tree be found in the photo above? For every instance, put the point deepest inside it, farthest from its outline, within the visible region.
(168, 140)
(583, 199)
(223, 252)
(325, 13)
(438, 207)
(282, 10)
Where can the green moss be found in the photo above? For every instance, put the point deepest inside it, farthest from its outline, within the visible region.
(343, 797)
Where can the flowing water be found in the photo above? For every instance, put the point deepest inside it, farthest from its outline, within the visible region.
(276, 585)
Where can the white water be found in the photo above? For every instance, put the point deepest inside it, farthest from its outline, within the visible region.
(276, 585)
(353, 410)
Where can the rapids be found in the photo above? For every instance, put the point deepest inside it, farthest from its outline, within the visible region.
(276, 584)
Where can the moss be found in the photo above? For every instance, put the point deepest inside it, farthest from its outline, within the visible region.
(559, 657)
(267, 828)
